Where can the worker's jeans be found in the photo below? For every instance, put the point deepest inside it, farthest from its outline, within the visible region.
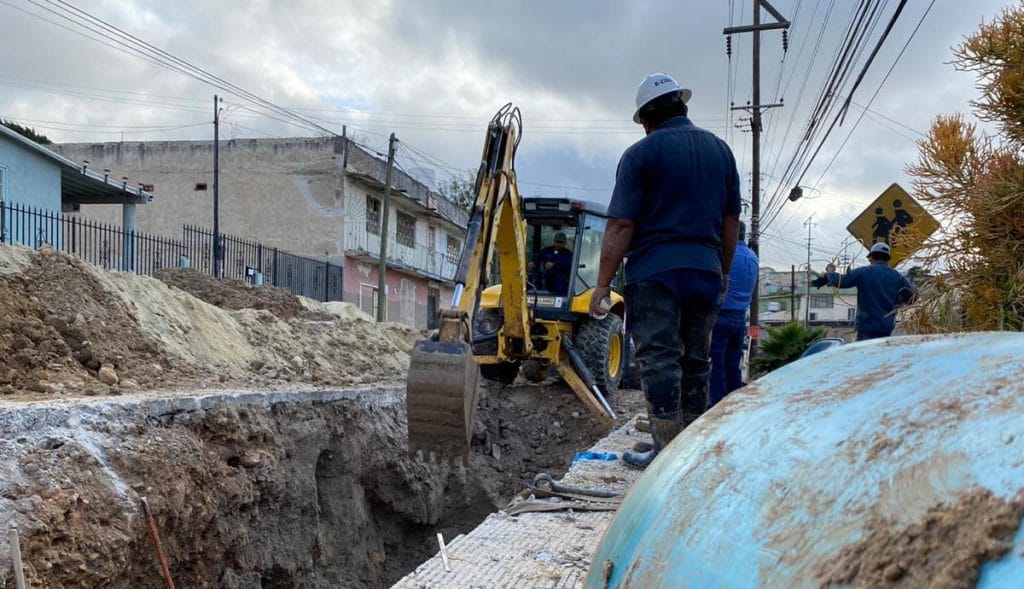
(727, 354)
(672, 340)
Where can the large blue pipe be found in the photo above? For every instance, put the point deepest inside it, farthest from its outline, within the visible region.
(785, 473)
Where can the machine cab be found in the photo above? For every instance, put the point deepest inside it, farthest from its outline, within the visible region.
(559, 272)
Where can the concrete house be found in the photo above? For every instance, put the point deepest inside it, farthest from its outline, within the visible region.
(315, 197)
(785, 295)
(37, 184)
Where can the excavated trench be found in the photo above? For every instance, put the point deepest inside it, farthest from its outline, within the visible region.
(259, 490)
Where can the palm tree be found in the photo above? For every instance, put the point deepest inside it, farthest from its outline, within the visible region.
(783, 345)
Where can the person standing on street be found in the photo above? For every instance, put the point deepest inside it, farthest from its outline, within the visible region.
(730, 331)
(674, 213)
(880, 290)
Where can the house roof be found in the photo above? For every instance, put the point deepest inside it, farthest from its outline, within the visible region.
(80, 185)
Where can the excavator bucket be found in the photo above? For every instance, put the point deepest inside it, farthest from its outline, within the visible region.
(440, 399)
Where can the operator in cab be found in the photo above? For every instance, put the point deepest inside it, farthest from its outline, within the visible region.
(553, 266)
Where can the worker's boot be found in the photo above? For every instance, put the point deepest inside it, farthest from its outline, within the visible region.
(648, 446)
(663, 430)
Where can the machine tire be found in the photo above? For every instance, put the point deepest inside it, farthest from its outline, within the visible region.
(601, 343)
(630, 373)
(504, 373)
(535, 370)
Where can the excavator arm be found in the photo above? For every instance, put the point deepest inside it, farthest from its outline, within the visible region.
(441, 391)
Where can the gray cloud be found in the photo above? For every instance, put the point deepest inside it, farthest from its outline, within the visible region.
(433, 71)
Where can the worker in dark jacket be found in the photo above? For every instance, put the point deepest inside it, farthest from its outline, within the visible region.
(730, 332)
(554, 265)
(880, 290)
(675, 211)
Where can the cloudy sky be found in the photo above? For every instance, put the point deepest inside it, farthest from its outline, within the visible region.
(434, 72)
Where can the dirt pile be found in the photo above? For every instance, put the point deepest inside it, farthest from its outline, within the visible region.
(61, 329)
(235, 294)
(528, 429)
(68, 327)
(945, 549)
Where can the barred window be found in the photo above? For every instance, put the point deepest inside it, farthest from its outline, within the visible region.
(406, 231)
(454, 250)
(822, 301)
(372, 215)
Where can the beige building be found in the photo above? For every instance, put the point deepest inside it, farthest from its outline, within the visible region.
(315, 197)
(785, 297)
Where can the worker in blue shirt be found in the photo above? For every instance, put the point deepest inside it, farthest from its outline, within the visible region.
(553, 265)
(880, 290)
(675, 212)
(729, 334)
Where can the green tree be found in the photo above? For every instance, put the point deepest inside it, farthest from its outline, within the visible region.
(460, 189)
(975, 182)
(26, 132)
(783, 345)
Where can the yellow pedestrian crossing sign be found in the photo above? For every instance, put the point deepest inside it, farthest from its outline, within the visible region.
(897, 219)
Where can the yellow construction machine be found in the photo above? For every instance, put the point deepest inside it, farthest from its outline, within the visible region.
(502, 318)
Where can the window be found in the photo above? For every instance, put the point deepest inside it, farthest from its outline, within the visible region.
(851, 314)
(822, 301)
(200, 186)
(372, 215)
(590, 253)
(406, 230)
(3, 183)
(454, 250)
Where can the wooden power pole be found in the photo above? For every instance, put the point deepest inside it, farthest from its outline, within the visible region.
(216, 187)
(382, 268)
(755, 127)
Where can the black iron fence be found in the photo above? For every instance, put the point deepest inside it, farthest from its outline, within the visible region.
(245, 259)
(110, 247)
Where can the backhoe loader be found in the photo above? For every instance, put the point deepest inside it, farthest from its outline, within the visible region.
(504, 316)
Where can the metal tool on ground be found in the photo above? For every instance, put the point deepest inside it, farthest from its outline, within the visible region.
(545, 494)
(545, 482)
(516, 305)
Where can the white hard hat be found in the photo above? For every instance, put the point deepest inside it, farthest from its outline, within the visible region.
(656, 85)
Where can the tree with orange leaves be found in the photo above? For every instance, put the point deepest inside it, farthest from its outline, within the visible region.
(975, 181)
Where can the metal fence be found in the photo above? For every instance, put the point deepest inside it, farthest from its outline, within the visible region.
(110, 247)
(244, 258)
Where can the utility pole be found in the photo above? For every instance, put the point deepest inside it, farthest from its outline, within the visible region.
(809, 224)
(792, 293)
(216, 186)
(755, 128)
(382, 268)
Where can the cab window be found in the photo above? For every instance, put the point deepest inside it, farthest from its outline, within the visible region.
(590, 253)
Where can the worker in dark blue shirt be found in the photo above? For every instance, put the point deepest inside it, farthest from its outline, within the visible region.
(674, 213)
(553, 265)
(880, 290)
(729, 334)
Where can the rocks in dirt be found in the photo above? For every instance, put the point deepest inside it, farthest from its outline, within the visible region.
(251, 459)
(107, 375)
(235, 294)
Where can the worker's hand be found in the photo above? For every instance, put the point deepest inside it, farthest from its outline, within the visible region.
(597, 296)
(830, 268)
(549, 265)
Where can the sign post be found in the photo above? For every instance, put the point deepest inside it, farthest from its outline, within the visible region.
(896, 219)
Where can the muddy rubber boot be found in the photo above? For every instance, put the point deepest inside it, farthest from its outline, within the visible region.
(663, 431)
(687, 419)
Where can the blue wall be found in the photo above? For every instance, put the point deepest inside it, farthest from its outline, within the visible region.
(30, 180)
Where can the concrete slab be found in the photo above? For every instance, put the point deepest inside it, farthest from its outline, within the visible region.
(542, 550)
